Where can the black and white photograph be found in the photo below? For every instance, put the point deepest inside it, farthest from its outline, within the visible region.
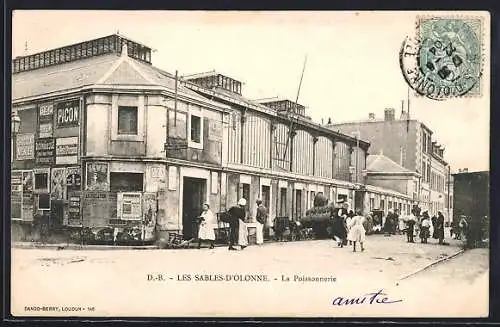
(250, 164)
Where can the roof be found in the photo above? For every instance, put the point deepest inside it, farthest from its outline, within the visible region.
(382, 164)
(108, 69)
(65, 76)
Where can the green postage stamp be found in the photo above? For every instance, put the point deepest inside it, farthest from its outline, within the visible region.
(445, 58)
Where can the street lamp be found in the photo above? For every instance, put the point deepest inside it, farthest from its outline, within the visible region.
(15, 125)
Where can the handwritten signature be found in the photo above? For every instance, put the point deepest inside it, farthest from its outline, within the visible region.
(369, 298)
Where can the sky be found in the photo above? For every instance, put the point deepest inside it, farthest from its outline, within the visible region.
(352, 65)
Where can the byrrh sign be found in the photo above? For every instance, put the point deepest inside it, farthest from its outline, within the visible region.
(68, 113)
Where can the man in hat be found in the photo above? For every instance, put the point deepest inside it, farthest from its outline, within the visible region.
(236, 214)
(261, 218)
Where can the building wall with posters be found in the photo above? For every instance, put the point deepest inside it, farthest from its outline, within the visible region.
(47, 153)
(93, 141)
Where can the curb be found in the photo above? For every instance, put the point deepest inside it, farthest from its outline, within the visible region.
(431, 265)
(83, 247)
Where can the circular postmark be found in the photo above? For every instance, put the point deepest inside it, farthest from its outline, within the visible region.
(444, 59)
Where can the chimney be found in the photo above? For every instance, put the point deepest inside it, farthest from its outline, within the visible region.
(465, 170)
(389, 114)
(371, 116)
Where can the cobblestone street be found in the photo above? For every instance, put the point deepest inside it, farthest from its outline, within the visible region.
(92, 277)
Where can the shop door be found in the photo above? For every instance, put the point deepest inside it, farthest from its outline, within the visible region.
(56, 214)
(193, 197)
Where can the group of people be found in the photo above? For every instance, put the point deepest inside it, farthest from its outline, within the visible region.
(348, 227)
(422, 224)
(235, 218)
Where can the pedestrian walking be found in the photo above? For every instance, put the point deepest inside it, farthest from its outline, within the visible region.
(348, 220)
(410, 226)
(208, 223)
(434, 229)
(261, 218)
(424, 229)
(357, 232)
(389, 223)
(462, 230)
(402, 225)
(236, 215)
(339, 228)
(439, 229)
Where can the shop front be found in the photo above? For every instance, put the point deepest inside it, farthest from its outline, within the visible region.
(116, 206)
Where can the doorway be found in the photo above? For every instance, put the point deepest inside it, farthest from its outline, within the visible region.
(193, 197)
(298, 204)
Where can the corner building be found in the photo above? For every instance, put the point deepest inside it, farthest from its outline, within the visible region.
(111, 145)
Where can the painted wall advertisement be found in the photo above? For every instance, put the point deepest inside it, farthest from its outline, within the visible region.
(67, 150)
(68, 113)
(97, 176)
(45, 120)
(45, 152)
(25, 146)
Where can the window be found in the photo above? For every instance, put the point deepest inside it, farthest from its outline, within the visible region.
(126, 182)
(382, 205)
(372, 204)
(127, 120)
(245, 193)
(195, 129)
(312, 199)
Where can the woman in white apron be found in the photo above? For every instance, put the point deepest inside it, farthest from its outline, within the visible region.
(357, 232)
(242, 228)
(208, 223)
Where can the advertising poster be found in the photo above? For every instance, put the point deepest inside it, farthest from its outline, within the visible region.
(27, 203)
(73, 177)
(149, 216)
(97, 176)
(68, 113)
(16, 195)
(58, 183)
(67, 150)
(45, 152)
(25, 146)
(74, 207)
(45, 120)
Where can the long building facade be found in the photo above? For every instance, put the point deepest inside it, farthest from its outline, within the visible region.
(111, 144)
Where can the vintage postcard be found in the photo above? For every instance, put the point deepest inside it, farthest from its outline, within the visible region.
(250, 164)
